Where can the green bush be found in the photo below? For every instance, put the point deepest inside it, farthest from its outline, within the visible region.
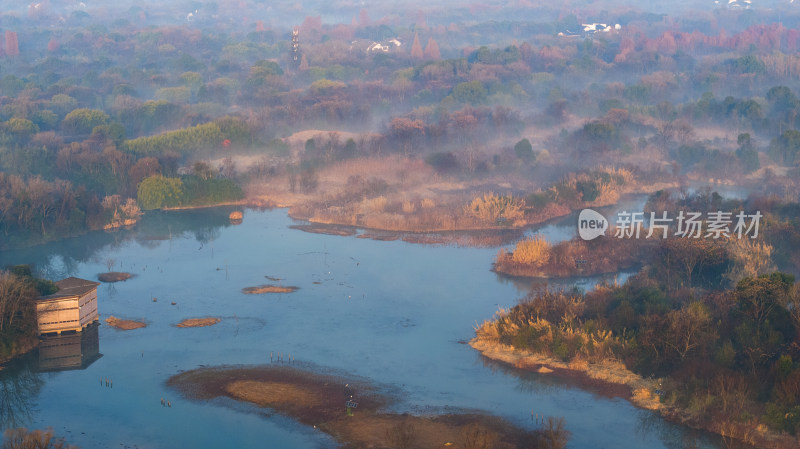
(529, 338)
(200, 192)
(207, 135)
(158, 191)
(524, 150)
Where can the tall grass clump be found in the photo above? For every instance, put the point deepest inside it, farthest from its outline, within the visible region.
(532, 251)
(490, 207)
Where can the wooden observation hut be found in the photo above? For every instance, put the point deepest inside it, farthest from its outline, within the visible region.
(70, 309)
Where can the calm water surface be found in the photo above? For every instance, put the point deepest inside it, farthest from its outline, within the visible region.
(393, 312)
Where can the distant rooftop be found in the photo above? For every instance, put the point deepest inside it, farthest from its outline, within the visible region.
(71, 286)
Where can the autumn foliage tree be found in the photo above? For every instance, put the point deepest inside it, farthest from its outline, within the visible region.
(432, 50)
(12, 43)
(406, 131)
(416, 48)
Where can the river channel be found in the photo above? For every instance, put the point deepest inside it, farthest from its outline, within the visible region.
(393, 312)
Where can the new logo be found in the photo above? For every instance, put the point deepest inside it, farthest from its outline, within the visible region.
(591, 224)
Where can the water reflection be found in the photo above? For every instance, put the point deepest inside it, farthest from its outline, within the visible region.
(65, 352)
(649, 423)
(63, 258)
(674, 436)
(111, 290)
(532, 382)
(566, 227)
(204, 225)
(21, 381)
(20, 385)
(583, 284)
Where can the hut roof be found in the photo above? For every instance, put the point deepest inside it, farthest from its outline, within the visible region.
(71, 286)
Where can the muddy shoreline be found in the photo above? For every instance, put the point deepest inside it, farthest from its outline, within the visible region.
(617, 381)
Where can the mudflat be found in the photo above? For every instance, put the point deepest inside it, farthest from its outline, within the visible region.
(320, 400)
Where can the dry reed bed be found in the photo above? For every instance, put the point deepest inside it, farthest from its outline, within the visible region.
(414, 198)
(535, 257)
(406, 195)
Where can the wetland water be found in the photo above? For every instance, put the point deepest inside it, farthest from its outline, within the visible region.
(389, 311)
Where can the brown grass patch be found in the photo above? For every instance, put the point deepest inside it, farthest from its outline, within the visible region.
(268, 289)
(272, 394)
(125, 325)
(114, 276)
(198, 322)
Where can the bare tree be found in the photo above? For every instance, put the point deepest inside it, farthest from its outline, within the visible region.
(688, 328)
(555, 433)
(733, 390)
(40, 195)
(15, 296)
